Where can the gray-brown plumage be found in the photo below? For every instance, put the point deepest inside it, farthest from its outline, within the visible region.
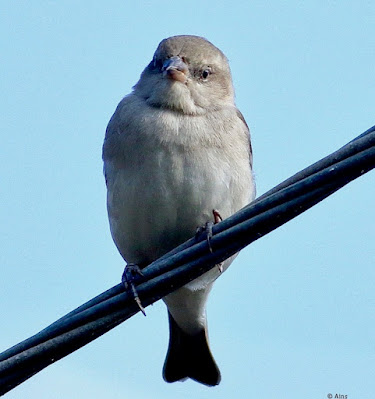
(175, 149)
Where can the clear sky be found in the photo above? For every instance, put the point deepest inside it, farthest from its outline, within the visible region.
(294, 315)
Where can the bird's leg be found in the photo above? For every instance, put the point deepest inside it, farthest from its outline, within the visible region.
(131, 272)
(217, 216)
(217, 219)
(207, 229)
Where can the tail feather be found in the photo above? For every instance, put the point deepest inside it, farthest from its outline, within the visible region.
(189, 356)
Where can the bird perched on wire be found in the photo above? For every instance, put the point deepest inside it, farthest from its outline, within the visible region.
(177, 155)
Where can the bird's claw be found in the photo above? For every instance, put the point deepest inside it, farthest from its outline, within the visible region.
(131, 272)
(207, 228)
(217, 216)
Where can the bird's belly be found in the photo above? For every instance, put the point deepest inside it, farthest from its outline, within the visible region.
(153, 210)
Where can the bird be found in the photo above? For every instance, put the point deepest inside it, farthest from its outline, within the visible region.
(177, 156)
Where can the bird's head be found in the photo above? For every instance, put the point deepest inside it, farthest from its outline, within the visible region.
(187, 74)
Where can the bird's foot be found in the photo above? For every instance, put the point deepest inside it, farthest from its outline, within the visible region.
(220, 267)
(217, 216)
(131, 272)
(207, 229)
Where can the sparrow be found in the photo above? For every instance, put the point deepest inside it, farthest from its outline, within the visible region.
(177, 155)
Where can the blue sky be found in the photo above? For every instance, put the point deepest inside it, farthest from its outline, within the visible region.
(294, 315)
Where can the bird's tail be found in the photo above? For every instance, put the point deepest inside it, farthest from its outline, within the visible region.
(189, 356)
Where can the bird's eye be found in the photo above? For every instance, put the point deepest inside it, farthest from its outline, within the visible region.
(206, 73)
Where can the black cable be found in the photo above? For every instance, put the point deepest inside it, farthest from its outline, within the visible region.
(189, 260)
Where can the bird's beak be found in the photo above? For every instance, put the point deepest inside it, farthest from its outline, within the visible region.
(176, 69)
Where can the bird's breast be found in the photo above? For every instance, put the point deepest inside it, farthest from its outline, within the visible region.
(166, 186)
